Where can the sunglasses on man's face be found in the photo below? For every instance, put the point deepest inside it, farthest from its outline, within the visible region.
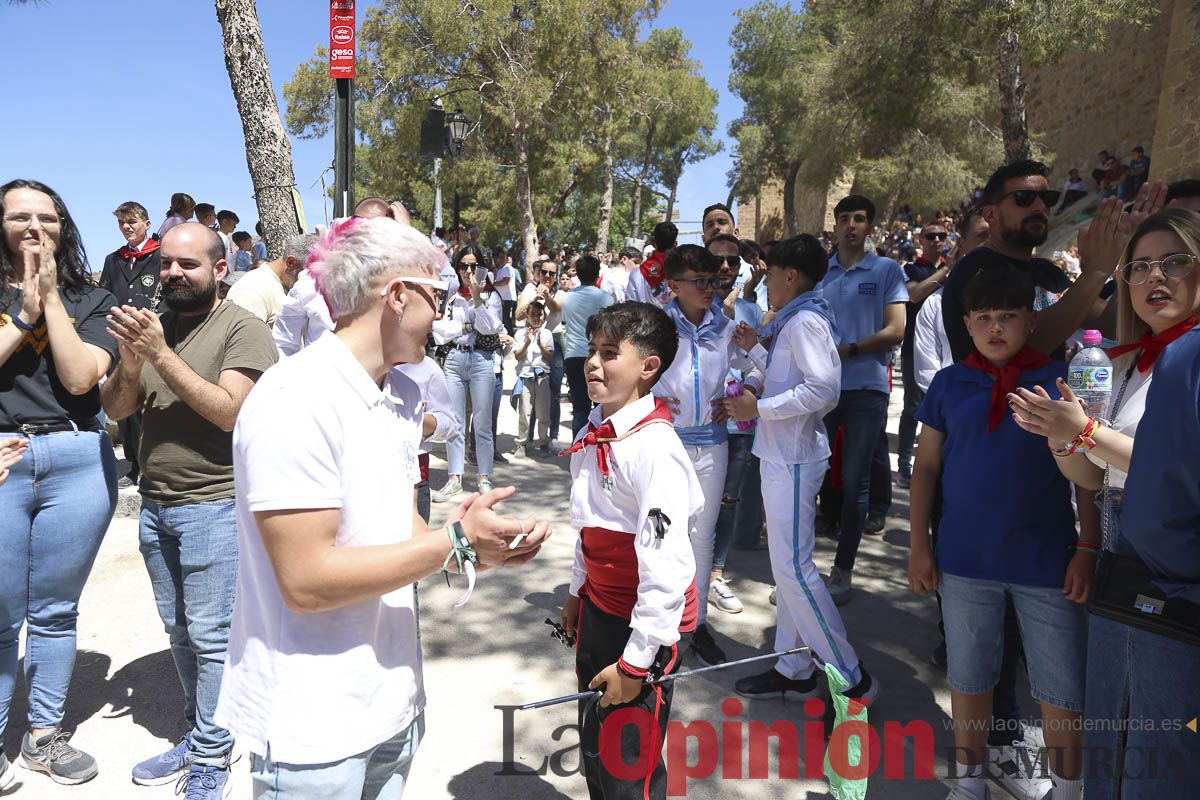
(732, 261)
(1025, 197)
(939, 235)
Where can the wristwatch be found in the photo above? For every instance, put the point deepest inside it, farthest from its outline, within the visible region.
(853, 349)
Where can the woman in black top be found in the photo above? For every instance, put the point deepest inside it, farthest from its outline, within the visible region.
(61, 494)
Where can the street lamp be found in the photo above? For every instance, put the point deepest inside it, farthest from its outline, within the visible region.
(457, 126)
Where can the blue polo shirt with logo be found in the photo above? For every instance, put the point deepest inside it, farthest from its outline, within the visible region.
(858, 296)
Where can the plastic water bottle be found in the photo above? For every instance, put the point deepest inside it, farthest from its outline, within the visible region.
(1090, 375)
(734, 389)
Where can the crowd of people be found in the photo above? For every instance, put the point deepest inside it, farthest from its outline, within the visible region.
(717, 393)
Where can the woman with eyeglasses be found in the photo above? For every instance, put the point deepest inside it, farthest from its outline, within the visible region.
(471, 325)
(1158, 296)
(61, 494)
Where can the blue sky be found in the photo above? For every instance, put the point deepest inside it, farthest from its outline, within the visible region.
(129, 100)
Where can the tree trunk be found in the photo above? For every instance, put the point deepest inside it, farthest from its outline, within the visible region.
(889, 209)
(268, 149)
(791, 225)
(636, 227)
(524, 193)
(606, 199)
(1012, 100)
(674, 187)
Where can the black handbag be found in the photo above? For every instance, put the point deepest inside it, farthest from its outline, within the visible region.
(1125, 591)
(488, 341)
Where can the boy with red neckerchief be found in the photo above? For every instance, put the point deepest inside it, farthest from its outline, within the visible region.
(648, 283)
(632, 597)
(1007, 531)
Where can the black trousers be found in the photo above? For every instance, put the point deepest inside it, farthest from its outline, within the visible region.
(581, 404)
(601, 641)
(130, 429)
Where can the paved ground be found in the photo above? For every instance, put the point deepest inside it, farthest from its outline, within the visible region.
(125, 702)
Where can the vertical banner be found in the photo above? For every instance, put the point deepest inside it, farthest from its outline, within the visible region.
(341, 38)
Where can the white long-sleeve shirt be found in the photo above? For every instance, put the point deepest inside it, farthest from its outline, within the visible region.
(803, 382)
(303, 318)
(650, 469)
(430, 379)
(931, 346)
(463, 319)
(697, 376)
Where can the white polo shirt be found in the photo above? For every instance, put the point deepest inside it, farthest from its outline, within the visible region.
(315, 433)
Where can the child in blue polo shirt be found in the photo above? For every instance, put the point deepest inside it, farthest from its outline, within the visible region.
(1007, 530)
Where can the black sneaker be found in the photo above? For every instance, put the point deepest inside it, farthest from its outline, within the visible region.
(770, 682)
(874, 524)
(864, 692)
(500, 457)
(126, 482)
(52, 755)
(707, 649)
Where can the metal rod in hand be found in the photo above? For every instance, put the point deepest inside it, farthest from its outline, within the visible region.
(567, 698)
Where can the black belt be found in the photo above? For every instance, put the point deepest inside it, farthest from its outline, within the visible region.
(39, 428)
(465, 348)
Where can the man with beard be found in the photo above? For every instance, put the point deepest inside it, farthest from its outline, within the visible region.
(1016, 204)
(131, 274)
(188, 372)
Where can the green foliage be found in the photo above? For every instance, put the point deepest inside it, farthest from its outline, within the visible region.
(902, 91)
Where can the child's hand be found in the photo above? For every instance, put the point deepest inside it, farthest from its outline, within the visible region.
(1081, 572)
(742, 408)
(672, 405)
(719, 412)
(618, 689)
(745, 337)
(569, 615)
(922, 572)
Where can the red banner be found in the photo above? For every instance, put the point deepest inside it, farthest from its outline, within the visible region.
(341, 38)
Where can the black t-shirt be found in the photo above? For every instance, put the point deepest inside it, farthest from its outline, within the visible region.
(1045, 274)
(29, 387)
(918, 271)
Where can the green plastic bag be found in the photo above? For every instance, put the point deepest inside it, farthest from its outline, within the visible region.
(840, 787)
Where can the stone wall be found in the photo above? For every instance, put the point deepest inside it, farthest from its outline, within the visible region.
(1177, 134)
(760, 217)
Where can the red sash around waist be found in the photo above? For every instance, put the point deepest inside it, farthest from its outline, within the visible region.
(612, 576)
(423, 464)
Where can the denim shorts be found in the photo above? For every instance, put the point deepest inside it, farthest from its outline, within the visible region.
(1053, 632)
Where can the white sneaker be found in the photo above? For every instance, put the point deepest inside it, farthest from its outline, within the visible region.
(957, 793)
(722, 596)
(8, 772)
(452, 489)
(838, 582)
(772, 599)
(554, 448)
(519, 451)
(1018, 770)
(485, 484)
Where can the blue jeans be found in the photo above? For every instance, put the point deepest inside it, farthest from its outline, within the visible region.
(471, 372)
(378, 774)
(908, 417)
(191, 555)
(557, 370)
(862, 414)
(55, 507)
(739, 520)
(880, 496)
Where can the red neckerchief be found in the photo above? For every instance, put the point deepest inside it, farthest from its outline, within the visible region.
(129, 254)
(464, 291)
(652, 269)
(1152, 345)
(1007, 378)
(600, 437)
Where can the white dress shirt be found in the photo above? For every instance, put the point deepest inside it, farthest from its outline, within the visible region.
(803, 383)
(931, 346)
(650, 469)
(697, 377)
(303, 318)
(463, 319)
(430, 379)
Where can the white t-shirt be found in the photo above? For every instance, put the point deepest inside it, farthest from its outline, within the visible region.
(533, 360)
(260, 292)
(507, 291)
(553, 318)
(1129, 413)
(614, 282)
(317, 433)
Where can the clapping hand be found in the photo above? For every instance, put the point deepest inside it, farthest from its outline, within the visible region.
(1060, 421)
(138, 331)
(1104, 240)
(40, 280)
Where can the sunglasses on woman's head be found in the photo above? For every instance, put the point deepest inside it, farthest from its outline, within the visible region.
(1025, 197)
(1178, 265)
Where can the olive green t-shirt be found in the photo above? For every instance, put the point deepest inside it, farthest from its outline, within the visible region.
(185, 458)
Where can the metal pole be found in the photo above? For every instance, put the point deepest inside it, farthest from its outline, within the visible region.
(437, 194)
(343, 149)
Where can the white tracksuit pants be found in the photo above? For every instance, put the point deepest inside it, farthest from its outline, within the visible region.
(710, 464)
(806, 613)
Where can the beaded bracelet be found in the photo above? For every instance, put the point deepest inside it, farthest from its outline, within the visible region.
(1088, 547)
